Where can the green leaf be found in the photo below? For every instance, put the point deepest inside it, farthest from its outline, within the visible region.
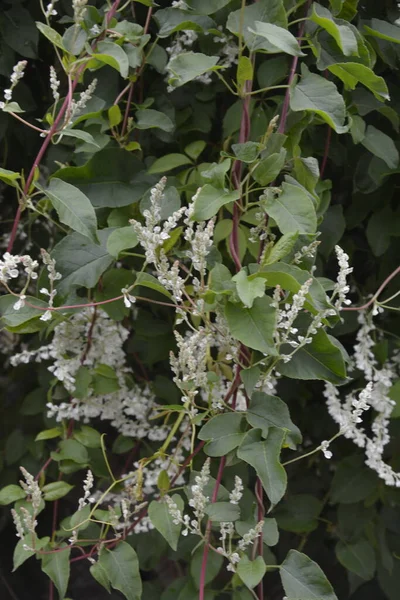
(216, 173)
(206, 7)
(88, 436)
(73, 207)
(25, 316)
(247, 152)
(321, 359)
(338, 29)
(171, 20)
(266, 11)
(161, 519)
(49, 434)
(280, 39)
(98, 572)
(168, 162)
(250, 378)
(263, 456)
(352, 73)
(105, 178)
(282, 248)
(74, 40)
(222, 511)
(213, 567)
(51, 34)
(251, 572)
(146, 280)
(353, 481)
(267, 411)
(188, 65)
(291, 278)
(11, 493)
(21, 555)
(383, 30)
(80, 135)
(316, 94)
(253, 326)
(121, 567)
(114, 115)
(292, 210)
(194, 149)
(12, 107)
(272, 71)
(248, 289)
(358, 557)
(57, 567)
(71, 450)
(303, 579)
(244, 71)
(269, 168)
(148, 118)
(113, 55)
(19, 31)
(9, 177)
(121, 239)
(210, 200)
(223, 433)
(55, 490)
(80, 262)
(381, 145)
(299, 513)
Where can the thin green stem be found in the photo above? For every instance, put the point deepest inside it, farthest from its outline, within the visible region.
(103, 449)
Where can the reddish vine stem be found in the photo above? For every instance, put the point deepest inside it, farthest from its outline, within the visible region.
(49, 136)
(293, 67)
(377, 293)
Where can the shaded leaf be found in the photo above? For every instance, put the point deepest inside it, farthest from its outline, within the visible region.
(263, 456)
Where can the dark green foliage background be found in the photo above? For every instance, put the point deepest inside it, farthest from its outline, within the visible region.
(329, 504)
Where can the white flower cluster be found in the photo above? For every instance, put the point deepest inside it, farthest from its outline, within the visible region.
(185, 39)
(50, 10)
(375, 396)
(342, 288)
(77, 107)
(152, 235)
(53, 276)
(287, 316)
(233, 555)
(17, 74)
(31, 488)
(87, 488)
(79, 8)
(10, 263)
(190, 365)
(27, 523)
(200, 238)
(306, 252)
(198, 502)
(54, 84)
(129, 407)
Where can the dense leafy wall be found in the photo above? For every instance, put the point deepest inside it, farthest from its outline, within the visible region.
(200, 367)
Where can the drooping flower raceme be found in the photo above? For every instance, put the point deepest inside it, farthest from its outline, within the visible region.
(349, 413)
(16, 76)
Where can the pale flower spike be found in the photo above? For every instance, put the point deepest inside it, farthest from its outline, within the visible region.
(16, 76)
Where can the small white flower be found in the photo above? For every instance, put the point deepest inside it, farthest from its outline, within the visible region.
(46, 316)
(8, 94)
(324, 448)
(20, 303)
(50, 10)
(128, 299)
